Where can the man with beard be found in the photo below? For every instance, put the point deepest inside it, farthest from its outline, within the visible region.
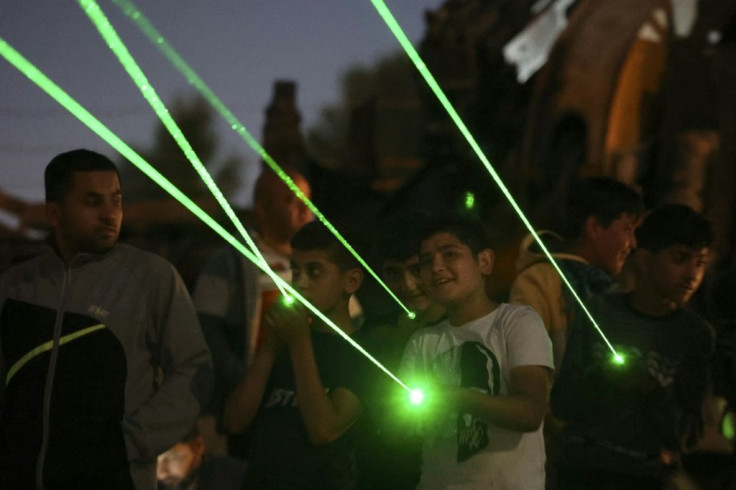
(102, 359)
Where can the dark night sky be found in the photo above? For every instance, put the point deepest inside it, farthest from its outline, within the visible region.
(239, 47)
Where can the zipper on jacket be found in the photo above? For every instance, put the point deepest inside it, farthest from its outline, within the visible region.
(66, 281)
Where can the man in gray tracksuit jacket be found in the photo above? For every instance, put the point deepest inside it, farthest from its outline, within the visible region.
(102, 360)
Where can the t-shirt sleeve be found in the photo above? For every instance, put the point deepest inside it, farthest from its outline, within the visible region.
(527, 342)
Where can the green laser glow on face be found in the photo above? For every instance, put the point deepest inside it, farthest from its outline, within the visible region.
(140, 20)
(393, 25)
(618, 359)
(116, 45)
(53, 90)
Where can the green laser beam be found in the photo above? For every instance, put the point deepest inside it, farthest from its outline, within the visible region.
(66, 101)
(395, 28)
(140, 20)
(116, 45)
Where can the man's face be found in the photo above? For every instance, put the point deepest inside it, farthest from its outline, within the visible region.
(675, 273)
(450, 271)
(319, 280)
(613, 244)
(282, 213)
(401, 278)
(89, 217)
(176, 468)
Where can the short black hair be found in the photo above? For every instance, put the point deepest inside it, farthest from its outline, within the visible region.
(469, 232)
(315, 236)
(397, 239)
(60, 171)
(604, 198)
(674, 224)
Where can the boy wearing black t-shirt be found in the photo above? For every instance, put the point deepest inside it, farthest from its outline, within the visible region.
(300, 393)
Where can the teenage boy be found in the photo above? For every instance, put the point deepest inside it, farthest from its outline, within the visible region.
(490, 366)
(628, 424)
(378, 445)
(300, 393)
(601, 215)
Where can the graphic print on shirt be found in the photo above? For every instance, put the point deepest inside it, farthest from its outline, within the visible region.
(662, 368)
(470, 365)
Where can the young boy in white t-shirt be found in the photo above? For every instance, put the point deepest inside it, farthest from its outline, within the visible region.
(487, 369)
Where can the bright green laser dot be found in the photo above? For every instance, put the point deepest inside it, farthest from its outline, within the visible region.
(55, 92)
(618, 359)
(469, 200)
(288, 300)
(132, 11)
(416, 397)
(729, 432)
(395, 28)
(116, 45)
(411, 315)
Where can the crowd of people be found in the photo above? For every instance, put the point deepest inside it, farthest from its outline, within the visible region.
(602, 379)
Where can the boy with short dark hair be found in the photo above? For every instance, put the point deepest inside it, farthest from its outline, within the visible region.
(303, 402)
(379, 446)
(597, 234)
(490, 366)
(627, 425)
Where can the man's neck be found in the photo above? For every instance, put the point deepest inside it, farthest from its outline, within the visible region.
(647, 301)
(282, 247)
(577, 247)
(473, 308)
(340, 316)
(431, 315)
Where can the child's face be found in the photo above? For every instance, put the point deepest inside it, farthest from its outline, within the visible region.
(675, 272)
(318, 279)
(450, 271)
(400, 277)
(613, 244)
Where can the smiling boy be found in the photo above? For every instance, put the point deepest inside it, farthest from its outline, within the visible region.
(628, 425)
(489, 366)
(300, 393)
(601, 215)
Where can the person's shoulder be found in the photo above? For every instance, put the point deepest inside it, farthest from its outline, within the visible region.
(144, 263)
(509, 313)
(698, 326)
(431, 331)
(133, 257)
(29, 270)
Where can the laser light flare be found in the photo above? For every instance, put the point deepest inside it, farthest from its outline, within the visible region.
(411, 315)
(395, 28)
(416, 396)
(66, 101)
(469, 200)
(140, 20)
(618, 359)
(116, 45)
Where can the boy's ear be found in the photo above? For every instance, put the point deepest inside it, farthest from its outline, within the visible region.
(486, 260)
(593, 226)
(642, 259)
(53, 213)
(353, 280)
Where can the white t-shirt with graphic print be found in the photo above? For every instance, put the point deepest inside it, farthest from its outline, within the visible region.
(461, 451)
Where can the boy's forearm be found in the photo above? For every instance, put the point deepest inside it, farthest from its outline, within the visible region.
(324, 423)
(514, 412)
(242, 405)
